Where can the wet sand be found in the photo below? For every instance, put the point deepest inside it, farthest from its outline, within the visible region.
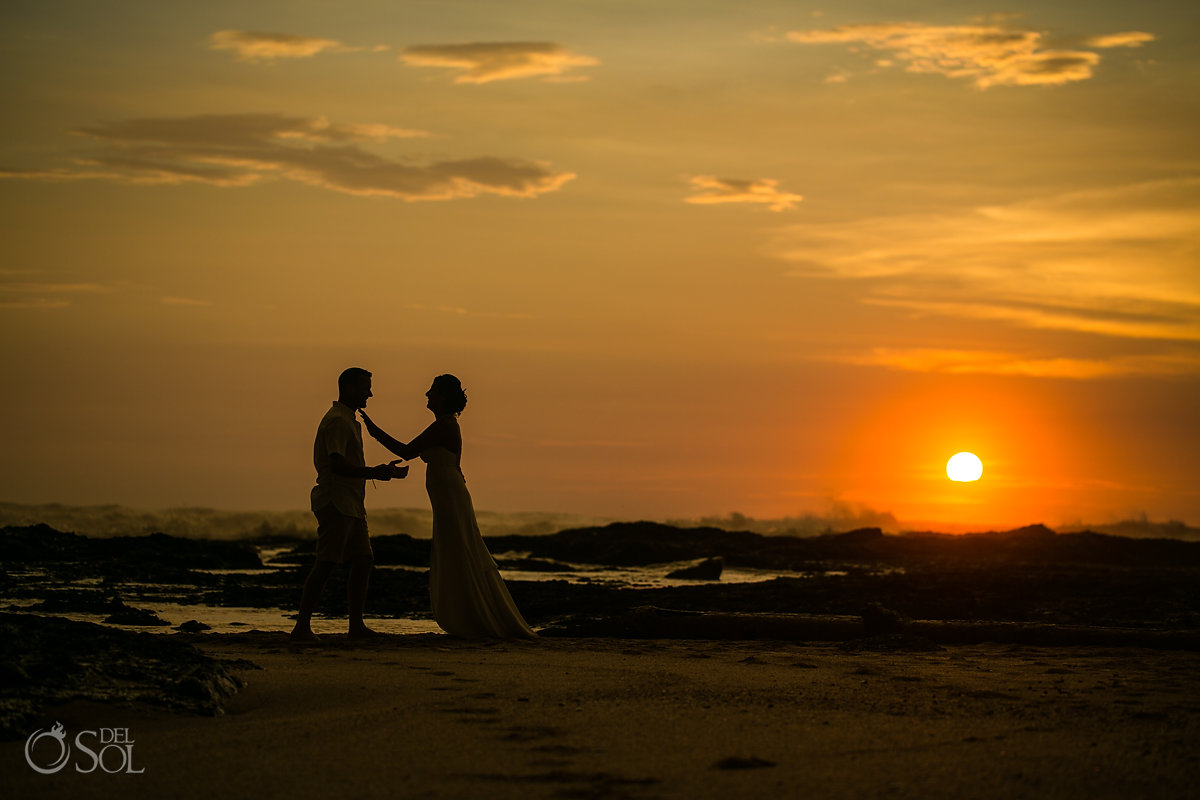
(429, 716)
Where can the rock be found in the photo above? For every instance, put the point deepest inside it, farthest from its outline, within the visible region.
(41, 544)
(81, 660)
(193, 626)
(121, 614)
(707, 570)
(877, 619)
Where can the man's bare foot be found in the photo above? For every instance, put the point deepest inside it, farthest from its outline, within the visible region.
(363, 632)
(305, 637)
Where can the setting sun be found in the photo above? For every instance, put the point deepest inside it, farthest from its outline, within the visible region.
(964, 467)
(840, 215)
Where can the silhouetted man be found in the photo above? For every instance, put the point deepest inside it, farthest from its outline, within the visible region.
(338, 503)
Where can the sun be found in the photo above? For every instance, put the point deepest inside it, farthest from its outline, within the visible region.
(964, 467)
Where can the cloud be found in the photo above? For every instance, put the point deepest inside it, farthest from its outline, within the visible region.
(466, 312)
(991, 54)
(35, 303)
(243, 129)
(185, 301)
(1116, 263)
(1126, 39)
(762, 191)
(255, 46)
(483, 62)
(970, 362)
(232, 150)
(31, 294)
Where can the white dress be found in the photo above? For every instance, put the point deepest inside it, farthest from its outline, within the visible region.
(468, 595)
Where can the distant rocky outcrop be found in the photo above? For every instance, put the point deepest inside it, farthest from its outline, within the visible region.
(1028, 575)
(643, 543)
(41, 544)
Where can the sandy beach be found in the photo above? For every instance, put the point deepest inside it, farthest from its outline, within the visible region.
(430, 716)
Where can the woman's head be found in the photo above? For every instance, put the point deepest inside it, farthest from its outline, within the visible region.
(446, 395)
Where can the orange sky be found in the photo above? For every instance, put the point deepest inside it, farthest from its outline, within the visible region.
(687, 258)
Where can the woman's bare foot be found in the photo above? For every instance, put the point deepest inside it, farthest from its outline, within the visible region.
(304, 636)
(363, 632)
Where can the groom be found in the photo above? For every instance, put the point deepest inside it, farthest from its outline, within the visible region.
(338, 503)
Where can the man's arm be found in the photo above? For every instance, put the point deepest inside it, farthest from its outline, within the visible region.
(383, 472)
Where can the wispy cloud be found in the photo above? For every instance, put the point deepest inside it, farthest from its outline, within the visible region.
(970, 362)
(483, 62)
(1126, 39)
(763, 191)
(988, 54)
(243, 130)
(232, 150)
(466, 312)
(258, 46)
(33, 303)
(18, 292)
(1118, 262)
(185, 301)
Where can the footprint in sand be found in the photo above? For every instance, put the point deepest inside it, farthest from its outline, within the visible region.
(530, 733)
(475, 715)
(558, 749)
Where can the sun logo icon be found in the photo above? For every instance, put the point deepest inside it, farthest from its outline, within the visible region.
(59, 734)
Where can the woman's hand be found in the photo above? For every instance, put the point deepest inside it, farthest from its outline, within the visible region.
(372, 428)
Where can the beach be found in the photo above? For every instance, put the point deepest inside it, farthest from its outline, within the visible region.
(431, 716)
(1006, 664)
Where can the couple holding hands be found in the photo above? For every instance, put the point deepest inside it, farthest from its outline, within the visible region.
(467, 594)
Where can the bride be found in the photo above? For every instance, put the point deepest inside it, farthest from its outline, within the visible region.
(468, 595)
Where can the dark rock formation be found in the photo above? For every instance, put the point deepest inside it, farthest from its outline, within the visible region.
(41, 544)
(50, 660)
(707, 570)
(193, 626)
(122, 614)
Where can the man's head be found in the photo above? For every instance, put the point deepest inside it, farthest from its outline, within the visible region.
(354, 387)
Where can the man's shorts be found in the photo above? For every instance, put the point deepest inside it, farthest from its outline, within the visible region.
(340, 537)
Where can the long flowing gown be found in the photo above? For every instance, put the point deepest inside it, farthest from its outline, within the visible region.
(468, 595)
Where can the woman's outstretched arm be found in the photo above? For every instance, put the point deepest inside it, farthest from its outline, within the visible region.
(435, 434)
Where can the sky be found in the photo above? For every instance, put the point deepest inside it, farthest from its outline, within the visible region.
(687, 258)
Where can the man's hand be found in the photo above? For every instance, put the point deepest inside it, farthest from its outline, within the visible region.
(383, 472)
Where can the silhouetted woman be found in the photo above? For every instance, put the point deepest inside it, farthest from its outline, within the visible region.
(468, 595)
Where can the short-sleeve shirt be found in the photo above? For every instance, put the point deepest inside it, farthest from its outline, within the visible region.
(339, 432)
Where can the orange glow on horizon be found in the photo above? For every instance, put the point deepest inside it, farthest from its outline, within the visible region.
(897, 457)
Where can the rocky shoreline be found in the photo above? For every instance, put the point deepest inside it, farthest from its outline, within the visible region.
(868, 590)
(1030, 576)
(45, 661)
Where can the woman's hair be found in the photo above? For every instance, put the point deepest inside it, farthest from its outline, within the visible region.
(452, 393)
